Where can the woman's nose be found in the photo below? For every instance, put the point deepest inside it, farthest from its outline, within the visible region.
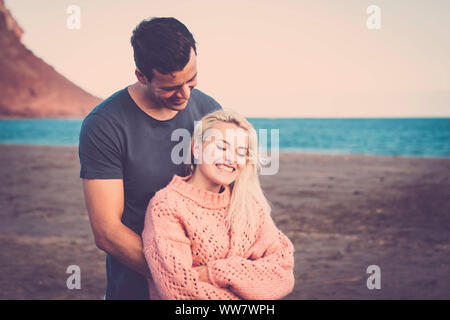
(230, 156)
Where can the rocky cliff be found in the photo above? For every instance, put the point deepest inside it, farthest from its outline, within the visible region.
(29, 87)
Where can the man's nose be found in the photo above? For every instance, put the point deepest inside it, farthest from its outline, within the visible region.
(184, 92)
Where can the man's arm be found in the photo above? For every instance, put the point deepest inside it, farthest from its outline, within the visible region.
(105, 203)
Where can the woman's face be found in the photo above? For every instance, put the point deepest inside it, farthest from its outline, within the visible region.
(224, 153)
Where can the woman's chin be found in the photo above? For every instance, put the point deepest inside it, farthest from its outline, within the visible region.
(223, 179)
(219, 176)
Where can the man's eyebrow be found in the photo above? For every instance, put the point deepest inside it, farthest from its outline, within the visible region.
(192, 77)
(179, 86)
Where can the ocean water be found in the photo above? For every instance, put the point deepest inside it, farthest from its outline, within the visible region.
(421, 137)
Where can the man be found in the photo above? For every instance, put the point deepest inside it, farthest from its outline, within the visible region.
(125, 147)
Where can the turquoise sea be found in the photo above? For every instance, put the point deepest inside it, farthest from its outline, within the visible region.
(422, 137)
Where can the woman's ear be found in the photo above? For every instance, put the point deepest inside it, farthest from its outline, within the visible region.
(196, 151)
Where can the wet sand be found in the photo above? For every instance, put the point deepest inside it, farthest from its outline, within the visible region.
(342, 212)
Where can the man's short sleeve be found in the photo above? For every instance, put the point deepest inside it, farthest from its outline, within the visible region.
(100, 149)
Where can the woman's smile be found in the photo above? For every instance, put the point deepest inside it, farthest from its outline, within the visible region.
(225, 167)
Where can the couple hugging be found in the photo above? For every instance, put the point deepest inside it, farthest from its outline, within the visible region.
(196, 230)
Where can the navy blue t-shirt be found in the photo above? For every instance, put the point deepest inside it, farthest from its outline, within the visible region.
(120, 141)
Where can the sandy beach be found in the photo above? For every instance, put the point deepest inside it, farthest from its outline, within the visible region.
(342, 212)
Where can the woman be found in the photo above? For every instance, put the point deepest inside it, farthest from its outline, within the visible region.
(209, 235)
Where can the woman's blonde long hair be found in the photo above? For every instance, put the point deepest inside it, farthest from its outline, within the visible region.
(241, 214)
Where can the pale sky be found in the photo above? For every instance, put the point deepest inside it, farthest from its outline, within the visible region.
(277, 58)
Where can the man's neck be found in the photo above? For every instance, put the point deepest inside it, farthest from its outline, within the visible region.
(145, 104)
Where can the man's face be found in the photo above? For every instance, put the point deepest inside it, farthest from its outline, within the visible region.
(173, 90)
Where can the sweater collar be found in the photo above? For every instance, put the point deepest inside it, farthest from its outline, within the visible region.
(203, 197)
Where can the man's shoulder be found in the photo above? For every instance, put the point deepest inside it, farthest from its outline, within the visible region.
(107, 113)
(204, 102)
(109, 107)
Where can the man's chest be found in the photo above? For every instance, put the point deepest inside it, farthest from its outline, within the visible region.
(148, 167)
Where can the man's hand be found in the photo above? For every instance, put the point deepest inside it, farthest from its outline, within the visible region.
(203, 273)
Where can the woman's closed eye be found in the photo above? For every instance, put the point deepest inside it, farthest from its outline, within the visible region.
(240, 153)
(221, 147)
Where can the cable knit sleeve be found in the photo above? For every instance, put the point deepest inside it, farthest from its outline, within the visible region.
(266, 275)
(167, 251)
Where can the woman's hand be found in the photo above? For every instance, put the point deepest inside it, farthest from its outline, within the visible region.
(203, 273)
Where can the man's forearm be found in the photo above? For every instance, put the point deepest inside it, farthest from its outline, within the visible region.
(126, 246)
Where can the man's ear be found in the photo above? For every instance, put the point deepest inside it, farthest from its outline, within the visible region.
(140, 76)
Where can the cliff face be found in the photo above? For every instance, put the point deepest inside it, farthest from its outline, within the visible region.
(29, 87)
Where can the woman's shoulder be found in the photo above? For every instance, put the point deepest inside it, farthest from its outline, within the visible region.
(165, 199)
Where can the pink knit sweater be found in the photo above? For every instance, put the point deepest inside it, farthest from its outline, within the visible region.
(185, 228)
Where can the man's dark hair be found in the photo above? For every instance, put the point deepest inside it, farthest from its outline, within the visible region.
(163, 44)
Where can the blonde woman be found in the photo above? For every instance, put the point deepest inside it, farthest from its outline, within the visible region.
(210, 235)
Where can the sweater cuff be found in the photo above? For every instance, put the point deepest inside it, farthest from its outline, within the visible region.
(217, 273)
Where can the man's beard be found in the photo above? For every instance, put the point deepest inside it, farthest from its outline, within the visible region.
(156, 101)
(160, 103)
